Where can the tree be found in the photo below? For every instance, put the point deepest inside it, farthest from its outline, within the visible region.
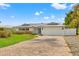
(68, 18)
(76, 17)
(25, 24)
(72, 18)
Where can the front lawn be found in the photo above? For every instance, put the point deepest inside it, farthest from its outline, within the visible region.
(15, 39)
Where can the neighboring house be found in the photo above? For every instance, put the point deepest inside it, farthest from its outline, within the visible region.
(45, 29)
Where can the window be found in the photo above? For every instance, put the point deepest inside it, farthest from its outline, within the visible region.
(21, 29)
(27, 28)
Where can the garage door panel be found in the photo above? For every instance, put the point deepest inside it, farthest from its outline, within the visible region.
(51, 31)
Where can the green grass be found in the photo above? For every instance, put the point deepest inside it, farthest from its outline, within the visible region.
(15, 39)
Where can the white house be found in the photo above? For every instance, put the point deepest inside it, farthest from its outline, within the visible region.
(48, 29)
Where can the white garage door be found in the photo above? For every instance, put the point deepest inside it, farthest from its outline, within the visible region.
(52, 31)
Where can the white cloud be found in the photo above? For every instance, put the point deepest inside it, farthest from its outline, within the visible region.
(12, 16)
(38, 13)
(59, 6)
(4, 5)
(46, 17)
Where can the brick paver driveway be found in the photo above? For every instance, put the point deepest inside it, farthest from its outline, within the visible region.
(43, 46)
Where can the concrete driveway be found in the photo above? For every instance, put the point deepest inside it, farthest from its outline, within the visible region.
(41, 46)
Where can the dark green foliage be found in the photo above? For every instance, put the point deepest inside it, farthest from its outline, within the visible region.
(72, 18)
(68, 18)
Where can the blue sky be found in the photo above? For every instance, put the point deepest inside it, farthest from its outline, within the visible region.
(20, 13)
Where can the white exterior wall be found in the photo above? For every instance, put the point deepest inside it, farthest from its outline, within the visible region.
(35, 30)
(69, 31)
(58, 31)
(31, 29)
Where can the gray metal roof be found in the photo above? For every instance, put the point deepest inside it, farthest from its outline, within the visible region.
(40, 26)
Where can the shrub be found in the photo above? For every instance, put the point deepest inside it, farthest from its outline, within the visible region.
(28, 32)
(1, 29)
(9, 33)
(13, 30)
(34, 34)
(4, 33)
(23, 32)
(19, 32)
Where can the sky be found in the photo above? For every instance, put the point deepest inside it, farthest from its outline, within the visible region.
(20, 13)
